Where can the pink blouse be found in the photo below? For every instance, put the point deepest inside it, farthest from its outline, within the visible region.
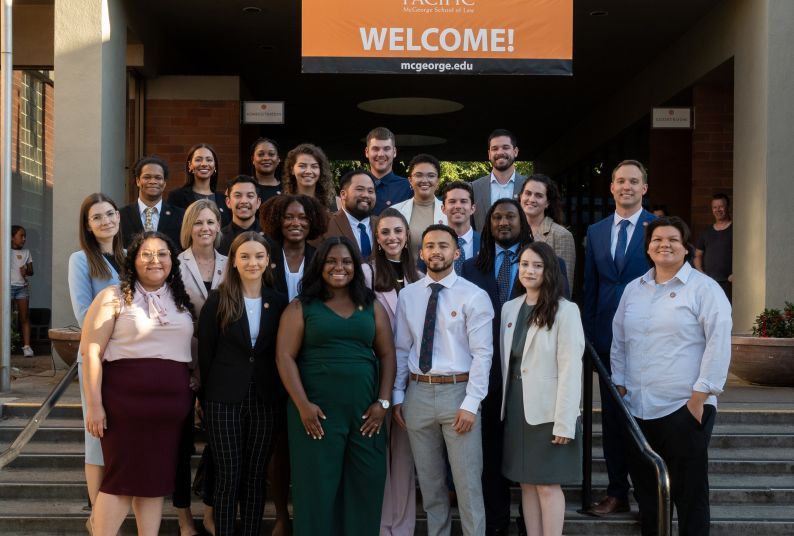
(150, 327)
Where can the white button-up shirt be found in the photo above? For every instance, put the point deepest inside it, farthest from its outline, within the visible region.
(670, 339)
(629, 230)
(499, 190)
(463, 339)
(155, 215)
(468, 243)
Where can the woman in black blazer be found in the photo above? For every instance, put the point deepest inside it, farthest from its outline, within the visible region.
(241, 392)
(201, 168)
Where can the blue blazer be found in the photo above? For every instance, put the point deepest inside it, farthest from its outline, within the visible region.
(603, 285)
(82, 287)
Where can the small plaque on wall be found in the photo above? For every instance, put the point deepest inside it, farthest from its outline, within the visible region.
(263, 112)
(672, 118)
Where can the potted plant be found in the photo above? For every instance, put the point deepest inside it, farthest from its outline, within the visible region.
(767, 356)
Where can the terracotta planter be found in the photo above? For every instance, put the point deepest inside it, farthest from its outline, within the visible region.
(66, 342)
(765, 361)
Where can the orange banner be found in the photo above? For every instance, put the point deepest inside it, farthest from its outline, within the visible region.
(438, 36)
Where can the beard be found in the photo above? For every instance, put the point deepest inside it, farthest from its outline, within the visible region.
(442, 268)
(359, 213)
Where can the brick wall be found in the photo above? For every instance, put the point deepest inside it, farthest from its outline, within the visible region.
(712, 150)
(173, 126)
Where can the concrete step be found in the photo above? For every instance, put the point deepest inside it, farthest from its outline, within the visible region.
(68, 517)
(717, 465)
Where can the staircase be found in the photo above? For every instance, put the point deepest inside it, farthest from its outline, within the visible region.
(751, 476)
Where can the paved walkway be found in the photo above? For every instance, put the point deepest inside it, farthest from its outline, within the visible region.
(35, 377)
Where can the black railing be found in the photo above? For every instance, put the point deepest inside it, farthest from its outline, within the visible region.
(11, 453)
(593, 362)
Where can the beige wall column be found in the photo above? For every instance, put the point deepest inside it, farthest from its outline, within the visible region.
(763, 162)
(90, 92)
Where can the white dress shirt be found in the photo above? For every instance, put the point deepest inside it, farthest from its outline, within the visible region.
(357, 233)
(293, 278)
(155, 215)
(629, 230)
(463, 339)
(468, 243)
(253, 310)
(670, 339)
(499, 190)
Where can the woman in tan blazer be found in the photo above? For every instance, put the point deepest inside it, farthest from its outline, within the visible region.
(202, 269)
(541, 357)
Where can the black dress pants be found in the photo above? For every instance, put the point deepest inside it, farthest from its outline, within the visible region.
(682, 442)
(495, 487)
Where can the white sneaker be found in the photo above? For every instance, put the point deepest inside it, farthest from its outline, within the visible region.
(27, 351)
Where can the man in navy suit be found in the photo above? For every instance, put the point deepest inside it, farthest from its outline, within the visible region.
(614, 256)
(457, 204)
(495, 270)
(150, 212)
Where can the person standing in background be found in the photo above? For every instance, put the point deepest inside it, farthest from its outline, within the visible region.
(504, 182)
(201, 168)
(21, 269)
(714, 250)
(265, 161)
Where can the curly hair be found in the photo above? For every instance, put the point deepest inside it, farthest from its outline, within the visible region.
(129, 276)
(554, 208)
(314, 286)
(324, 189)
(272, 213)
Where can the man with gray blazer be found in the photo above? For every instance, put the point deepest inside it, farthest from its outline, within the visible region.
(503, 181)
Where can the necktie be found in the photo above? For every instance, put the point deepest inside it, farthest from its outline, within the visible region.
(459, 260)
(503, 277)
(429, 329)
(147, 224)
(366, 245)
(620, 247)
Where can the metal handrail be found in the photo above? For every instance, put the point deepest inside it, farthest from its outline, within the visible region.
(11, 453)
(664, 520)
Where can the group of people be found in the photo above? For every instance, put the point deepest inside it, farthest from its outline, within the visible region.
(360, 344)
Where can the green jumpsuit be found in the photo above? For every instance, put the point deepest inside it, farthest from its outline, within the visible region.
(337, 481)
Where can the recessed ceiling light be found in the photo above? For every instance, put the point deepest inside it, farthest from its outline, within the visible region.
(252, 9)
(410, 106)
(599, 13)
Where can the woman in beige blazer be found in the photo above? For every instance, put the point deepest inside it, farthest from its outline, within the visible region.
(541, 356)
(202, 269)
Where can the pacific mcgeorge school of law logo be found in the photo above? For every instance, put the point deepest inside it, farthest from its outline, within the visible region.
(439, 6)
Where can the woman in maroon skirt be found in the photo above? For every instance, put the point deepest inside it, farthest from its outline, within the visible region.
(136, 350)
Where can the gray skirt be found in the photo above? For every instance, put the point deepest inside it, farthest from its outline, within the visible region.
(529, 457)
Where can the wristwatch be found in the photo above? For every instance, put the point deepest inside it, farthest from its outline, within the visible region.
(385, 404)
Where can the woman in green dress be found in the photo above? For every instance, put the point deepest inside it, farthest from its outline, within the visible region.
(542, 344)
(335, 355)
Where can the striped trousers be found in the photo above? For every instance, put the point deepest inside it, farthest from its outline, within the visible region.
(242, 437)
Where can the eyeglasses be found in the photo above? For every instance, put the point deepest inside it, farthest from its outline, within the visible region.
(150, 256)
(99, 218)
(428, 176)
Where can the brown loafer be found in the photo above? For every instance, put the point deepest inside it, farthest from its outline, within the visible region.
(609, 505)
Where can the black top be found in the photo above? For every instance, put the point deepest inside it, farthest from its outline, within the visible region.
(183, 197)
(226, 359)
(265, 191)
(230, 232)
(398, 268)
(208, 286)
(112, 260)
(717, 248)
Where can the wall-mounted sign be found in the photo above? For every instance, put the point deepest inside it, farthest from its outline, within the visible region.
(672, 118)
(259, 112)
(437, 36)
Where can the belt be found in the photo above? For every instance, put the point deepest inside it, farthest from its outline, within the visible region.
(454, 378)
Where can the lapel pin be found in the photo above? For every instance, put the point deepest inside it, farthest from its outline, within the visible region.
(219, 272)
(360, 308)
(510, 324)
(266, 305)
(672, 294)
(272, 265)
(388, 202)
(278, 192)
(454, 314)
(167, 212)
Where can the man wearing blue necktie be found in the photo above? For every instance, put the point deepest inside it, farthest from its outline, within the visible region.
(614, 256)
(355, 220)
